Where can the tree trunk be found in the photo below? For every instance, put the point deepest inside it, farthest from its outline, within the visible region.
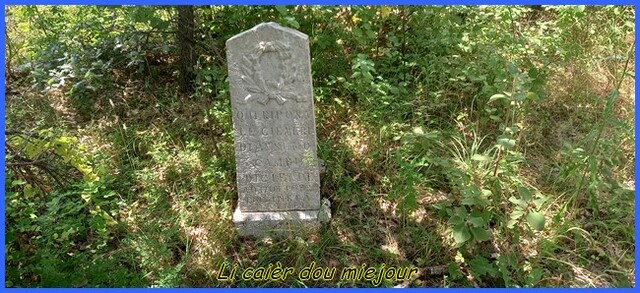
(186, 27)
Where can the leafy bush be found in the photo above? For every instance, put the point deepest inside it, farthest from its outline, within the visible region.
(488, 145)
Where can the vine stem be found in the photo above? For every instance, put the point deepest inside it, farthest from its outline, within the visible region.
(607, 111)
(513, 118)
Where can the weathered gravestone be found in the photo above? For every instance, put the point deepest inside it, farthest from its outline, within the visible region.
(277, 168)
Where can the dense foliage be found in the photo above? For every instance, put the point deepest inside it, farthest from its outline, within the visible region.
(487, 146)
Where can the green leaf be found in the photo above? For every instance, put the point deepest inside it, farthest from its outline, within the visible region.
(461, 212)
(468, 200)
(18, 182)
(282, 9)
(504, 262)
(518, 201)
(506, 142)
(498, 97)
(367, 75)
(410, 202)
(512, 130)
(517, 214)
(292, 22)
(455, 220)
(479, 157)
(532, 96)
(481, 202)
(513, 70)
(534, 277)
(454, 270)
(461, 233)
(476, 221)
(474, 190)
(481, 266)
(29, 191)
(539, 202)
(479, 234)
(524, 193)
(536, 220)
(459, 258)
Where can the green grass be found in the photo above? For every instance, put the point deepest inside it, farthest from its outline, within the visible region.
(401, 157)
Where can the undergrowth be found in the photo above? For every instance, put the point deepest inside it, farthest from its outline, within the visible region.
(486, 146)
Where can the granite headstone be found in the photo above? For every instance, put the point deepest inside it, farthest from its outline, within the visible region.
(273, 117)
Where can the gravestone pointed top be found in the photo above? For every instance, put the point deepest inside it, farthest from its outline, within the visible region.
(274, 125)
(275, 27)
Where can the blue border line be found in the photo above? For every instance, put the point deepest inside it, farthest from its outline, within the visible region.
(292, 2)
(2, 182)
(319, 2)
(274, 290)
(635, 139)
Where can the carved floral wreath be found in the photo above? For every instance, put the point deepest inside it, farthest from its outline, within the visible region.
(266, 90)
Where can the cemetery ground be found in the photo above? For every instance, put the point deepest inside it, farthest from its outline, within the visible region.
(502, 158)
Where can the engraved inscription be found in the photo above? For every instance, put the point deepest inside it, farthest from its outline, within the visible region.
(265, 188)
(272, 146)
(260, 115)
(273, 120)
(277, 177)
(275, 131)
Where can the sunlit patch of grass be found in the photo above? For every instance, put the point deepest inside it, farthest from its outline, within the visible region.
(209, 236)
(391, 245)
(355, 138)
(590, 252)
(170, 164)
(584, 250)
(175, 188)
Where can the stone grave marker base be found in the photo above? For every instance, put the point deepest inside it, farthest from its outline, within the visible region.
(260, 224)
